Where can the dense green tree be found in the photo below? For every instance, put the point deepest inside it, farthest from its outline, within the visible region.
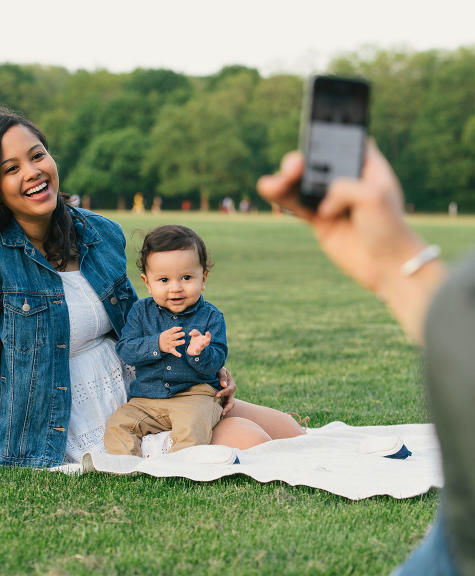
(213, 136)
(109, 168)
(199, 147)
(17, 88)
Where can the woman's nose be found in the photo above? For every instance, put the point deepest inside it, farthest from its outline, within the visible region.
(32, 172)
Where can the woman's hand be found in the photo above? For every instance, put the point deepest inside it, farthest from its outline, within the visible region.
(227, 393)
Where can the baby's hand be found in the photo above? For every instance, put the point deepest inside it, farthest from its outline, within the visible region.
(198, 342)
(170, 339)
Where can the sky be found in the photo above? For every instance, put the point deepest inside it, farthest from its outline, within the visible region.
(199, 37)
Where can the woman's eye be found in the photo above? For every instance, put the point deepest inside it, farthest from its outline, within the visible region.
(10, 169)
(38, 155)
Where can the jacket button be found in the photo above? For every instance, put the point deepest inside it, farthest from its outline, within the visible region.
(167, 385)
(197, 359)
(113, 300)
(26, 307)
(169, 367)
(155, 353)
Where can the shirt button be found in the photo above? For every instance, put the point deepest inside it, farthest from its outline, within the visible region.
(167, 385)
(175, 317)
(113, 300)
(197, 359)
(169, 367)
(155, 353)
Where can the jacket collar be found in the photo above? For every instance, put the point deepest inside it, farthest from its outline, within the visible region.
(13, 235)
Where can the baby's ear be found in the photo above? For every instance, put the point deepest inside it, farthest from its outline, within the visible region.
(205, 275)
(144, 278)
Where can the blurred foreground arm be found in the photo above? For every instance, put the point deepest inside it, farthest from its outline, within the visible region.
(360, 226)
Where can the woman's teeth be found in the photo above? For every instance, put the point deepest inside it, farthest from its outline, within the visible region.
(37, 189)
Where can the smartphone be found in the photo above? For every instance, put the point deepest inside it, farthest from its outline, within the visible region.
(333, 133)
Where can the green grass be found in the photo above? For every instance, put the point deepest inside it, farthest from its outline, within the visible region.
(302, 338)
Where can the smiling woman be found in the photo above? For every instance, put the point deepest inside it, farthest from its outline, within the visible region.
(64, 299)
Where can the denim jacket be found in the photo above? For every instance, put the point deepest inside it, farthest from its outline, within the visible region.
(161, 374)
(35, 397)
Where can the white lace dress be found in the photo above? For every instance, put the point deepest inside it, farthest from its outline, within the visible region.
(99, 379)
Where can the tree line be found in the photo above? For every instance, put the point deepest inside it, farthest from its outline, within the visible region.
(164, 134)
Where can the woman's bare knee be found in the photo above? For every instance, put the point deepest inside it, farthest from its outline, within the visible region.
(239, 433)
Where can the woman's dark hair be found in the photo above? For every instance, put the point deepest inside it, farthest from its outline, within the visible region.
(60, 241)
(172, 237)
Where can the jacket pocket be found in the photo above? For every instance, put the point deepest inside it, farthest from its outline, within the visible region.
(24, 321)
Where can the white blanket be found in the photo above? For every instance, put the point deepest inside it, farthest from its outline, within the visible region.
(331, 458)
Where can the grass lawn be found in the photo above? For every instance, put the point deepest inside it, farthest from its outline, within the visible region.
(302, 338)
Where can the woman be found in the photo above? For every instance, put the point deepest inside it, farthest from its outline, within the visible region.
(65, 297)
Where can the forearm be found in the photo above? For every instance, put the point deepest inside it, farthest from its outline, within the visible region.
(409, 297)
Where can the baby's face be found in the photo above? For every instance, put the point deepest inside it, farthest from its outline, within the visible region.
(175, 279)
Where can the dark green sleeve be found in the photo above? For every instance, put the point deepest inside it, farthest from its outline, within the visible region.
(450, 337)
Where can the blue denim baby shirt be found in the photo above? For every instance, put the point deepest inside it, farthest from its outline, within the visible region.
(35, 397)
(160, 374)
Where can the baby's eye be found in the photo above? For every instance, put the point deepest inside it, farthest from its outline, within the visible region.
(186, 277)
(163, 280)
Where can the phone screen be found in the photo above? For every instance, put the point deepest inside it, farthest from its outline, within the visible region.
(335, 133)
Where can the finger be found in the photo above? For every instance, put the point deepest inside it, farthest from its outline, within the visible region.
(178, 335)
(227, 408)
(194, 332)
(173, 330)
(291, 169)
(178, 342)
(281, 190)
(342, 195)
(225, 392)
(175, 353)
(223, 383)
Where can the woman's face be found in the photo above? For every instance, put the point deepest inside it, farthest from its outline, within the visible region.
(29, 182)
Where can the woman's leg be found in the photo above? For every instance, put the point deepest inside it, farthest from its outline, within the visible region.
(238, 433)
(275, 423)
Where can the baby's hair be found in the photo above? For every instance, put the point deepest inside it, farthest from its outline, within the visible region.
(172, 237)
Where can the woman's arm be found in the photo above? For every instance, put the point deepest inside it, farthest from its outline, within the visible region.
(360, 225)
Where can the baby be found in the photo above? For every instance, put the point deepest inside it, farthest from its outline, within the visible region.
(177, 343)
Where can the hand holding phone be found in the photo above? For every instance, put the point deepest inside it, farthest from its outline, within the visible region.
(333, 133)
